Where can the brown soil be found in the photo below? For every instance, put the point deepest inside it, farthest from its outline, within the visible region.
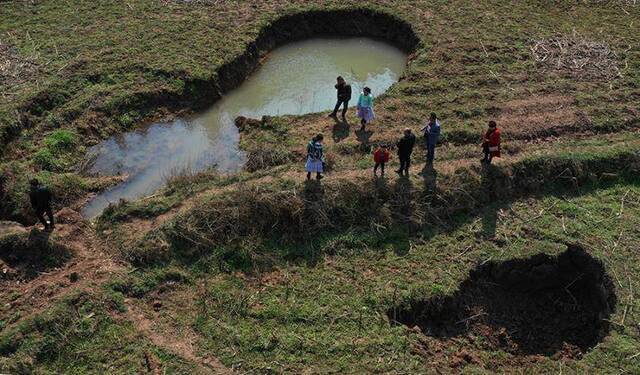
(89, 269)
(179, 342)
(540, 306)
(89, 264)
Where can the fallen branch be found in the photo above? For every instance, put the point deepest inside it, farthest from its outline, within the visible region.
(471, 318)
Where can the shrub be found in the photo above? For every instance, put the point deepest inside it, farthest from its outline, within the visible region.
(61, 140)
(45, 160)
(125, 120)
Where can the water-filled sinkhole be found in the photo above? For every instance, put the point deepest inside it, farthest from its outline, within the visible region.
(295, 79)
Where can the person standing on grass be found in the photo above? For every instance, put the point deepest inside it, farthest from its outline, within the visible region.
(405, 148)
(41, 197)
(365, 108)
(344, 95)
(380, 157)
(315, 157)
(431, 135)
(491, 143)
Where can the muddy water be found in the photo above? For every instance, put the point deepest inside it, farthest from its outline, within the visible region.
(295, 79)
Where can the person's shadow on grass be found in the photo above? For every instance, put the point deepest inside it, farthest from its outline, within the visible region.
(363, 136)
(315, 211)
(430, 178)
(490, 174)
(340, 130)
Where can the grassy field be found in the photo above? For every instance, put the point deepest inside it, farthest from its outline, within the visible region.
(260, 272)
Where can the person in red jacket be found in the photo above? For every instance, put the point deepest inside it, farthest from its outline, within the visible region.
(381, 156)
(491, 143)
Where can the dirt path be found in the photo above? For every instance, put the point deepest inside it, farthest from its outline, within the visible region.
(89, 267)
(179, 343)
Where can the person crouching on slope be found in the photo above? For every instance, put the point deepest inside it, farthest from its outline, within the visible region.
(491, 143)
(41, 197)
(315, 157)
(380, 157)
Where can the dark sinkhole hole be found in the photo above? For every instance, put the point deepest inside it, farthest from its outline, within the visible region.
(540, 305)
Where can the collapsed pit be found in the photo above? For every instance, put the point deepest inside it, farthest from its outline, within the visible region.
(542, 305)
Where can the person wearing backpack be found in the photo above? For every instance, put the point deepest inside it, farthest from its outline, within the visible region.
(315, 157)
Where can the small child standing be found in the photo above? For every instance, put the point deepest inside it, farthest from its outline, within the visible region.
(380, 156)
(491, 143)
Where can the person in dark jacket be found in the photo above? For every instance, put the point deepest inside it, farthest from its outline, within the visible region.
(405, 148)
(41, 197)
(344, 95)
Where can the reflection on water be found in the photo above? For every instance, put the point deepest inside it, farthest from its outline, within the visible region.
(295, 79)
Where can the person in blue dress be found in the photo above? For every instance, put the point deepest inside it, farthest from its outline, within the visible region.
(315, 157)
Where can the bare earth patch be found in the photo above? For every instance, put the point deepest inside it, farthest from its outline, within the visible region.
(179, 342)
(539, 114)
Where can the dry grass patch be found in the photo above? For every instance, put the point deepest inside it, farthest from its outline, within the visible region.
(537, 114)
(612, 2)
(14, 69)
(577, 56)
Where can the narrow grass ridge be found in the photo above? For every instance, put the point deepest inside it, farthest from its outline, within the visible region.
(254, 214)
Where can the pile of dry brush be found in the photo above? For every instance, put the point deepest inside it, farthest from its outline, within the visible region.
(576, 55)
(14, 69)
